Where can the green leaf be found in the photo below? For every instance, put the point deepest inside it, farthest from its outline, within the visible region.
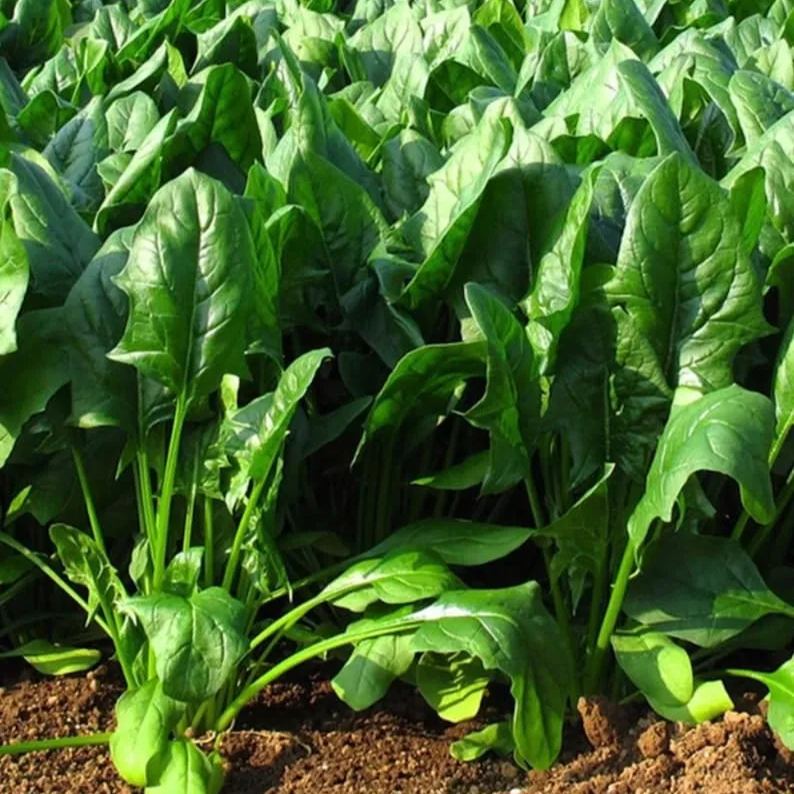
(57, 241)
(188, 279)
(661, 670)
(401, 577)
(759, 101)
(459, 476)
(683, 278)
(456, 541)
(556, 287)
(623, 21)
(424, 382)
(197, 641)
(183, 571)
(510, 631)
(187, 770)
(129, 120)
(217, 108)
(510, 407)
(139, 179)
(103, 391)
(439, 230)
(144, 720)
(50, 659)
(701, 589)
(32, 374)
(728, 431)
(453, 686)
(497, 738)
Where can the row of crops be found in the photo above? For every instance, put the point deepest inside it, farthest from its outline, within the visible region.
(321, 322)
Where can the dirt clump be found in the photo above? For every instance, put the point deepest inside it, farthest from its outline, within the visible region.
(734, 755)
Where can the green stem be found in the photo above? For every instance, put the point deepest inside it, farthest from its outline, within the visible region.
(90, 507)
(534, 503)
(286, 621)
(18, 748)
(209, 543)
(595, 664)
(741, 524)
(242, 531)
(167, 491)
(783, 501)
(147, 499)
(191, 509)
(303, 655)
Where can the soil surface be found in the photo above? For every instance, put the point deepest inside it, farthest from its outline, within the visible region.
(299, 739)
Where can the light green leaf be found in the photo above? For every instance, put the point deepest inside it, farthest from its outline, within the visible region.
(497, 738)
(728, 431)
(400, 577)
(14, 274)
(144, 720)
(187, 770)
(781, 699)
(459, 476)
(439, 230)
(454, 686)
(50, 659)
(683, 278)
(87, 565)
(372, 667)
(456, 541)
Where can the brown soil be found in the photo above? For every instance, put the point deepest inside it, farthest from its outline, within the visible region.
(298, 739)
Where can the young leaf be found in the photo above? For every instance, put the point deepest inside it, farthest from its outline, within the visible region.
(497, 738)
(197, 641)
(510, 407)
(701, 589)
(144, 720)
(189, 281)
(87, 565)
(781, 698)
(49, 659)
